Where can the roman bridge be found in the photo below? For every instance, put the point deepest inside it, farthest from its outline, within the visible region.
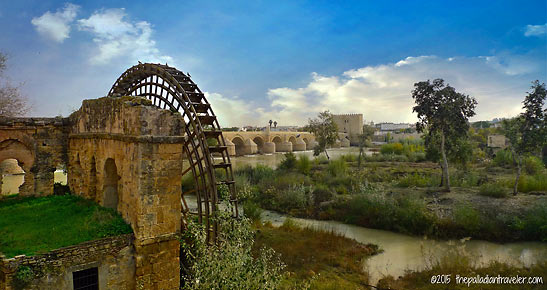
(264, 142)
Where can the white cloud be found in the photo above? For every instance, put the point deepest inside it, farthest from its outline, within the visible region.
(535, 30)
(116, 36)
(383, 92)
(56, 26)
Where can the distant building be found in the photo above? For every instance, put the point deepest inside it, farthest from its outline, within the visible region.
(393, 126)
(351, 124)
(496, 142)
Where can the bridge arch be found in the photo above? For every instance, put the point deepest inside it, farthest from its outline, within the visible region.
(259, 141)
(168, 88)
(277, 141)
(239, 145)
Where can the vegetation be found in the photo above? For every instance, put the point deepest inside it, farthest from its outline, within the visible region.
(397, 195)
(527, 133)
(37, 225)
(12, 102)
(315, 259)
(325, 132)
(229, 263)
(444, 114)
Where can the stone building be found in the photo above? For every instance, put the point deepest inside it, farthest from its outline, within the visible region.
(124, 154)
(130, 152)
(350, 124)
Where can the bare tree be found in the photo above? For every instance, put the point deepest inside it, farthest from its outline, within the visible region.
(12, 102)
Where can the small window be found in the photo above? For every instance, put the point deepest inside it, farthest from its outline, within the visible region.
(86, 279)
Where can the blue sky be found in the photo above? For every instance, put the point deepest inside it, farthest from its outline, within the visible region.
(281, 60)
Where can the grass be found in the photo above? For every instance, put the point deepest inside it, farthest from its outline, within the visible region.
(32, 226)
(324, 259)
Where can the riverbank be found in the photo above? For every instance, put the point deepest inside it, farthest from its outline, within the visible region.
(316, 259)
(401, 196)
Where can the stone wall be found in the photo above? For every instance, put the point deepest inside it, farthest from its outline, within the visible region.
(39, 145)
(145, 144)
(114, 258)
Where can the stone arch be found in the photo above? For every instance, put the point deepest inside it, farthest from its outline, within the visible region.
(259, 141)
(110, 184)
(292, 139)
(277, 140)
(239, 145)
(14, 149)
(11, 176)
(308, 144)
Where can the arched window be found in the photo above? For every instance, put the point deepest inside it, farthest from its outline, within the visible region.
(110, 185)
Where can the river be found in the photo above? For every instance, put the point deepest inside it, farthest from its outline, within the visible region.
(403, 252)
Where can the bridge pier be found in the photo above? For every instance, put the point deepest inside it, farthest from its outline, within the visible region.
(269, 147)
(231, 147)
(285, 146)
(300, 145)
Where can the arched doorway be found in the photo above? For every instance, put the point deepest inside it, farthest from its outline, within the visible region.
(18, 162)
(12, 176)
(110, 184)
(308, 146)
(259, 144)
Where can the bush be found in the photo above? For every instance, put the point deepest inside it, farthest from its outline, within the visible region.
(289, 162)
(23, 277)
(467, 218)
(533, 225)
(529, 183)
(533, 165)
(403, 214)
(503, 158)
(416, 180)
(303, 165)
(337, 167)
(228, 264)
(252, 210)
(256, 174)
(496, 190)
(297, 196)
(321, 194)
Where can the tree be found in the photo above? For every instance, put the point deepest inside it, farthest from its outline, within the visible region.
(12, 103)
(325, 130)
(527, 133)
(364, 139)
(443, 111)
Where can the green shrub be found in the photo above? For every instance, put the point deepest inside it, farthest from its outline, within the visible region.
(228, 264)
(252, 210)
(297, 196)
(289, 162)
(529, 183)
(403, 214)
(321, 193)
(337, 167)
(256, 174)
(303, 165)
(465, 178)
(503, 158)
(496, 190)
(467, 218)
(416, 180)
(349, 157)
(23, 276)
(533, 225)
(321, 159)
(533, 165)
(392, 148)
